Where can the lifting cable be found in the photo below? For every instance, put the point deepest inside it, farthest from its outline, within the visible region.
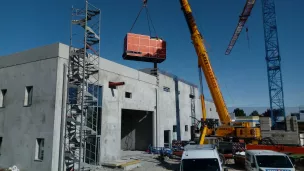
(149, 19)
(248, 37)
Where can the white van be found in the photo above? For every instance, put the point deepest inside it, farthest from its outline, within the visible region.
(267, 160)
(201, 158)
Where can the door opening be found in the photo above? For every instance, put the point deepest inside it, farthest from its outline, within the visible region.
(167, 138)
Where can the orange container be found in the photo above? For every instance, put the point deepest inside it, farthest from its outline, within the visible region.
(144, 48)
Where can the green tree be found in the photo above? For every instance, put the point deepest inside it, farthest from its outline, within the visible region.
(239, 112)
(254, 113)
(276, 113)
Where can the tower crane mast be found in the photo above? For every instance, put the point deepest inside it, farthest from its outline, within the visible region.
(273, 58)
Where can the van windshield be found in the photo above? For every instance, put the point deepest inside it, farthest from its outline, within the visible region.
(273, 161)
(211, 164)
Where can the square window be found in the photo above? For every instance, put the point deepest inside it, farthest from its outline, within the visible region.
(28, 96)
(128, 95)
(210, 109)
(174, 128)
(39, 150)
(191, 96)
(2, 97)
(166, 89)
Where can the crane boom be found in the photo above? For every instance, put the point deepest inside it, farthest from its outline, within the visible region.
(205, 65)
(243, 18)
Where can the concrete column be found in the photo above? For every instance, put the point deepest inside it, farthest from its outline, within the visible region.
(154, 131)
(61, 165)
(156, 116)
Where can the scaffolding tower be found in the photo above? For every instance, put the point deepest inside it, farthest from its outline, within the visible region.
(84, 93)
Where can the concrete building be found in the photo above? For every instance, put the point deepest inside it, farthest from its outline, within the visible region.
(134, 116)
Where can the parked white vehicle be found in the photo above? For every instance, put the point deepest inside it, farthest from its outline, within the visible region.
(201, 158)
(267, 160)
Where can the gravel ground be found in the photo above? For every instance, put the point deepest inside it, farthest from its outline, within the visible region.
(152, 163)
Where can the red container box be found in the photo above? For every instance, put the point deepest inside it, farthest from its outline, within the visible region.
(144, 48)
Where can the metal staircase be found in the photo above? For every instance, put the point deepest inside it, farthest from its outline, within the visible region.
(83, 103)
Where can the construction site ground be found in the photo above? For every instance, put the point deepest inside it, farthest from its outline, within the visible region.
(150, 162)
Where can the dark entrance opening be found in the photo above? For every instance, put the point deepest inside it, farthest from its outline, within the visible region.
(136, 129)
(167, 138)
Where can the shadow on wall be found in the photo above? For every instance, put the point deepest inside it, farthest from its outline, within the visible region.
(136, 129)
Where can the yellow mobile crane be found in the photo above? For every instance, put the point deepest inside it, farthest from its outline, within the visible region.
(228, 129)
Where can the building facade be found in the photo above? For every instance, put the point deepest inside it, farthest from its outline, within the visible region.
(133, 116)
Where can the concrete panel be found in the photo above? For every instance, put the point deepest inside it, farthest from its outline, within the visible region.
(282, 137)
(59, 113)
(32, 55)
(166, 107)
(146, 78)
(110, 126)
(142, 98)
(167, 111)
(211, 110)
(185, 110)
(198, 106)
(22, 125)
(125, 71)
(64, 51)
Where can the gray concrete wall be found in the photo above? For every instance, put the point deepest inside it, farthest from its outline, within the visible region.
(167, 107)
(60, 107)
(185, 110)
(44, 69)
(166, 113)
(143, 89)
(282, 136)
(211, 110)
(22, 125)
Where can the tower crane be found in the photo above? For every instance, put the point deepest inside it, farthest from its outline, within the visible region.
(273, 58)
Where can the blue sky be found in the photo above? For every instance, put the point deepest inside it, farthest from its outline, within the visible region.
(241, 75)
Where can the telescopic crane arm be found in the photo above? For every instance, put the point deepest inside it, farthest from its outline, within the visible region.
(204, 64)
